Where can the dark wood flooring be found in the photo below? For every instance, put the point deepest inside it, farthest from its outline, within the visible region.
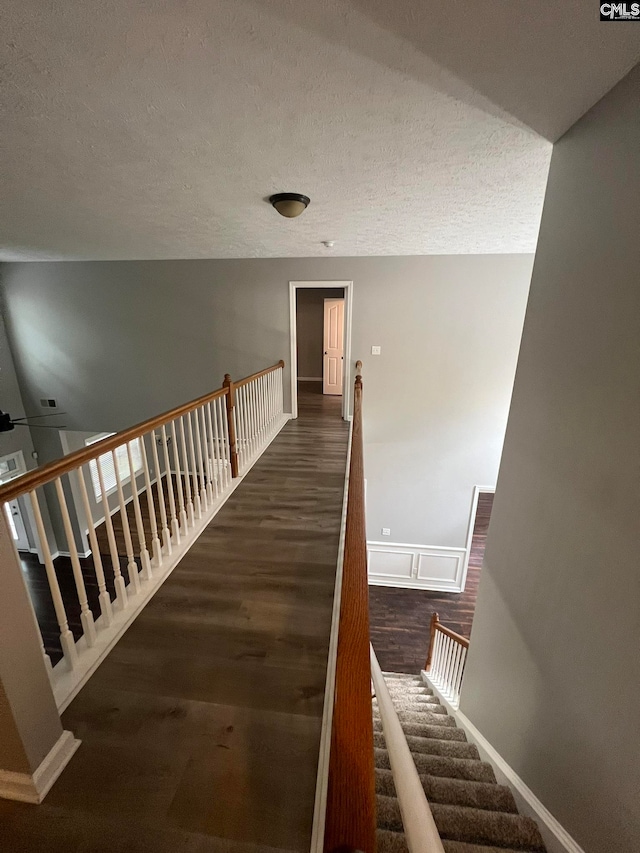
(38, 585)
(400, 618)
(200, 731)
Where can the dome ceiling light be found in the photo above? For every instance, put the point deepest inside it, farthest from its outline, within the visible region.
(289, 204)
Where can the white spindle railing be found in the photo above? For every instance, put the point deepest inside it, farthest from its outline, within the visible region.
(446, 660)
(184, 464)
(421, 833)
(259, 411)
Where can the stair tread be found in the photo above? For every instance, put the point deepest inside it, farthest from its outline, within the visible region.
(425, 717)
(395, 842)
(439, 765)
(461, 823)
(426, 731)
(433, 746)
(475, 826)
(457, 792)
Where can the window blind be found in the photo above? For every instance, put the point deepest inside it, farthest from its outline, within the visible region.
(107, 466)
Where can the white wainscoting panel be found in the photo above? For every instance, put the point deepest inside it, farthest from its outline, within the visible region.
(438, 568)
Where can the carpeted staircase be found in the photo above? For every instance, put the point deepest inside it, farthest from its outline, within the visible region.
(472, 812)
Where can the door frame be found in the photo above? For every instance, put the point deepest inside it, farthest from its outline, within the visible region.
(346, 367)
(477, 491)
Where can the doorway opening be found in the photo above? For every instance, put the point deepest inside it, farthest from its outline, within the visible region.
(320, 335)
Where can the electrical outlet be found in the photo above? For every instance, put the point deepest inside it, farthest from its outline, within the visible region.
(376, 350)
(386, 531)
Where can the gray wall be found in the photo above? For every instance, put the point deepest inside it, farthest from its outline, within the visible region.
(553, 678)
(310, 328)
(117, 342)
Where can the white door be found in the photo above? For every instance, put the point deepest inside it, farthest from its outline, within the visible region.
(333, 346)
(16, 526)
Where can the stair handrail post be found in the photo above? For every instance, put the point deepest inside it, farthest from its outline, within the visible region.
(435, 620)
(230, 397)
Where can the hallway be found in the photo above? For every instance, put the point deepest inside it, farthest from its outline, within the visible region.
(200, 731)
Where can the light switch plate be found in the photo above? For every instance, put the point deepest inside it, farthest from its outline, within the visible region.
(376, 350)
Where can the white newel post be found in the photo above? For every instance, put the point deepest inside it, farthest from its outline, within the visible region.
(34, 749)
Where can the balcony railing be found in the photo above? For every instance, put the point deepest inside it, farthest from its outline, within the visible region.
(172, 474)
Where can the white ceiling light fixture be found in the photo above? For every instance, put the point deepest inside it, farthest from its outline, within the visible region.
(328, 244)
(290, 204)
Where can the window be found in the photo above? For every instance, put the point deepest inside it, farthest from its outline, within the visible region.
(107, 466)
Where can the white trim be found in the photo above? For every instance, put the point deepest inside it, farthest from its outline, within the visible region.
(293, 356)
(68, 682)
(554, 835)
(399, 564)
(477, 490)
(309, 378)
(33, 788)
(322, 776)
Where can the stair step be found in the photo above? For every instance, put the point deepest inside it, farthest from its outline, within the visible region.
(391, 842)
(439, 732)
(479, 826)
(433, 746)
(399, 687)
(472, 826)
(444, 766)
(464, 847)
(388, 811)
(418, 704)
(455, 792)
(395, 842)
(425, 717)
(402, 676)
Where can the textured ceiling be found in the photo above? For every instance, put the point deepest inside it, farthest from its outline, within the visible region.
(135, 129)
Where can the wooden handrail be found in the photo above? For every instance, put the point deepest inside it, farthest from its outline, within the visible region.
(436, 625)
(260, 373)
(350, 822)
(47, 473)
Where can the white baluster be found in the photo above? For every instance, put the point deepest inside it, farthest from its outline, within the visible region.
(221, 461)
(263, 406)
(175, 525)
(250, 421)
(454, 672)
(438, 655)
(461, 672)
(213, 455)
(166, 536)
(178, 467)
(86, 616)
(132, 566)
(204, 499)
(103, 596)
(447, 665)
(121, 590)
(256, 415)
(66, 637)
(241, 429)
(221, 422)
(156, 548)
(187, 480)
(197, 504)
(145, 559)
(268, 401)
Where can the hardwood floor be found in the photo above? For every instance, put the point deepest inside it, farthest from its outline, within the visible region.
(200, 731)
(399, 618)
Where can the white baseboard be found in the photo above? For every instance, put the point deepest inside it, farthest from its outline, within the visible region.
(554, 835)
(34, 788)
(434, 567)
